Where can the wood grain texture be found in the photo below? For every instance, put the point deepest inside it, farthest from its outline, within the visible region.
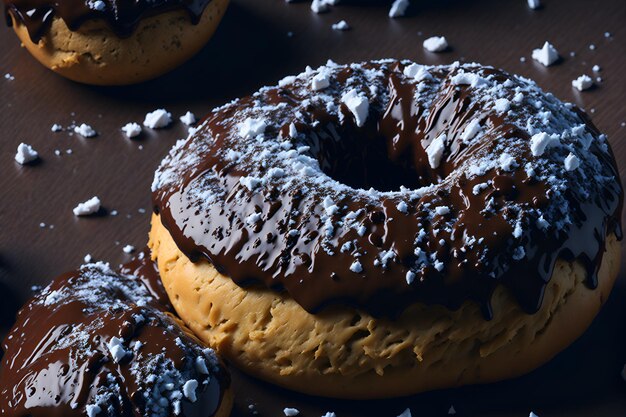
(252, 48)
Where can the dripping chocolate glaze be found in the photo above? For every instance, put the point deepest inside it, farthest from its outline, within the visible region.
(57, 362)
(122, 16)
(458, 253)
(142, 267)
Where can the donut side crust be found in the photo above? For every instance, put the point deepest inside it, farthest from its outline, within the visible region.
(94, 54)
(346, 353)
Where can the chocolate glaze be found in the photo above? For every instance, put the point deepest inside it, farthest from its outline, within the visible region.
(122, 16)
(58, 362)
(142, 267)
(490, 213)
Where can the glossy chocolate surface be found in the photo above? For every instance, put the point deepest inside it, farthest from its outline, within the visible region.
(96, 342)
(122, 16)
(373, 216)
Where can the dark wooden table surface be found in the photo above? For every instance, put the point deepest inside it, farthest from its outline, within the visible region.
(258, 43)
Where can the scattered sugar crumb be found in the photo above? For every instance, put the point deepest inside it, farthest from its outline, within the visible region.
(592, 47)
(398, 8)
(88, 258)
(341, 25)
(158, 119)
(291, 412)
(320, 6)
(9, 77)
(56, 128)
(532, 414)
(188, 118)
(128, 249)
(596, 68)
(85, 131)
(131, 129)
(546, 55)
(330, 414)
(582, 83)
(90, 206)
(25, 154)
(406, 413)
(534, 4)
(436, 44)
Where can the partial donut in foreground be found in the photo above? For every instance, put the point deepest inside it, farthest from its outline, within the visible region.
(114, 42)
(385, 228)
(96, 343)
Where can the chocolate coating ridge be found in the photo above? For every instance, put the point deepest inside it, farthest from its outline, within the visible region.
(97, 343)
(395, 183)
(122, 16)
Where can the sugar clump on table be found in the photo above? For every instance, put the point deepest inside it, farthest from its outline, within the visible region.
(85, 131)
(88, 207)
(534, 4)
(406, 413)
(341, 25)
(435, 44)
(398, 8)
(131, 130)
(25, 154)
(320, 6)
(188, 118)
(158, 119)
(582, 83)
(546, 55)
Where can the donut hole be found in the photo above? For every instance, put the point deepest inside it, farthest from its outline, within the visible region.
(360, 158)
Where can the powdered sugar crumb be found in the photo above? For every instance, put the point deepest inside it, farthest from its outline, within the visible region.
(398, 8)
(584, 82)
(25, 154)
(85, 131)
(132, 129)
(435, 44)
(341, 25)
(90, 206)
(158, 119)
(546, 55)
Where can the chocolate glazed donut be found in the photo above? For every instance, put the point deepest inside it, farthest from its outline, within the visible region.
(98, 343)
(121, 15)
(113, 42)
(388, 183)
